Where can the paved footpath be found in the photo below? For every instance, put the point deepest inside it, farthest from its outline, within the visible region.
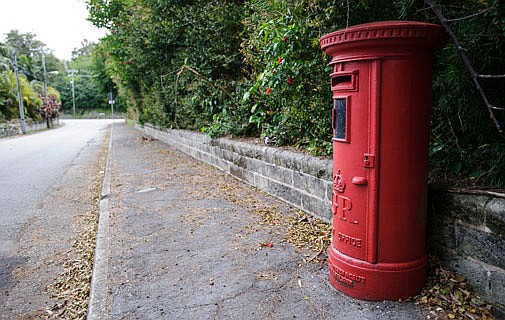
(188, 241)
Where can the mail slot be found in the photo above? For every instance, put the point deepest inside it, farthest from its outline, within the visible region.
(381, 84)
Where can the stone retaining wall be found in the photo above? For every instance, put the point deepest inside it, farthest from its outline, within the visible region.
(466, 231)
(301, 180)
(13, 128)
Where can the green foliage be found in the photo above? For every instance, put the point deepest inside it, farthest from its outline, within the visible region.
(30, 61)
(465, 142)
(255, 67)
(23, 42)
(8, 97)
(104, 83)
(92, 83)
(151, 41)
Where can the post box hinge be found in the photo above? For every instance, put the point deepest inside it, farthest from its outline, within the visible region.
(368, 160)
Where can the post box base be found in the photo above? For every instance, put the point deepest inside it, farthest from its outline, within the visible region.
(376, 281)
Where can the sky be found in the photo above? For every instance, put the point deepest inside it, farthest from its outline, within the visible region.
(60, 24)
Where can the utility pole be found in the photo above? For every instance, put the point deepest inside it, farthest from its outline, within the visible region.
(72, 73)
(20, 97)
(48, 121)
(45, 73)
(46, 98)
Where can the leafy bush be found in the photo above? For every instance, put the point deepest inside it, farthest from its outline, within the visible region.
(9, 101)
(254, 67)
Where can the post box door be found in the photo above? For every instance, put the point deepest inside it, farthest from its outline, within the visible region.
(355, 125)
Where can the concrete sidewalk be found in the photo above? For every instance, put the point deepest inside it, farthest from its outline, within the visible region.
(185, 241)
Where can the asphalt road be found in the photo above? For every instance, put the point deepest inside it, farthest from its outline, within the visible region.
(35, 171)
(30, 165)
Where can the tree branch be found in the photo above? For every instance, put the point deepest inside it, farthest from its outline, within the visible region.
(491, 75)
(473, 15)
(466, 61)
(199, 75)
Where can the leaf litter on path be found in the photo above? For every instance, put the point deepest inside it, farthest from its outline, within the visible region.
(447, 295)
(444, 296)
(72, 286)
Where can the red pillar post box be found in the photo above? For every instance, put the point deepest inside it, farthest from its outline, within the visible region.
(381, 83)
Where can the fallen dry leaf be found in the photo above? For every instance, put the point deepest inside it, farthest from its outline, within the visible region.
(73, 285)
(447, 295)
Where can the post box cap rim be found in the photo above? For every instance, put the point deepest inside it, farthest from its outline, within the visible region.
(386, 30)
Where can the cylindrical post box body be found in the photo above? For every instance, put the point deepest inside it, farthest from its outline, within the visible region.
(381, 83)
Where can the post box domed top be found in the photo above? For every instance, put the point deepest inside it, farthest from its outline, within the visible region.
(384, 38)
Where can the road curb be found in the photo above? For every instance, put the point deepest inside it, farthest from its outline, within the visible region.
(98, 306)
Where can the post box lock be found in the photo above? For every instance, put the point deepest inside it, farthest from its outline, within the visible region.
(368, 160)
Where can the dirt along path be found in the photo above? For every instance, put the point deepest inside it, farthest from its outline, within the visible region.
(51, 278)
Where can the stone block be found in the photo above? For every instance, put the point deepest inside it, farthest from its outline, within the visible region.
(218, 152)
(328, 186)
(197, 154)
(274, 172)
(441, 238)
(495, 216)
(287, 159)
(215, 161)
(310, 184)
(247, 150)
(204, 147)
(239, 160)
(254, 165)
(241, 174)
(269, 154)
(474, 272)
(318, 207)
(483, 246)
(497, 287)
(222, 164)
(319, 168)
(228, 155)
(180, 147)
(304, 163)
(277, 189)
(468, 208)
(206, 157)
